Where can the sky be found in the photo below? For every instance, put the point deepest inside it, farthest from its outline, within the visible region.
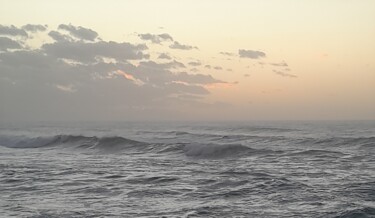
(187, 60)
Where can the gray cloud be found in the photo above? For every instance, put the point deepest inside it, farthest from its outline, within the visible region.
(57, 36)
(195, 63)
(227, 53)
(39, 83)
(186, 88)
(197, 78)
(156, 38)
(218, 68)
(207, 66)
(177, 45)
(281, 73)
(12, 31)
(34, 28)
(7, 43)
(87, 52)
(251, 54)
(170, 65)
(164, 56)
(80, 32)
(281, 64)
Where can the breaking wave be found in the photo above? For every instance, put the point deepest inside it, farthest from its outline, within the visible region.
(116, 143)
(219, 147)
(76, 141)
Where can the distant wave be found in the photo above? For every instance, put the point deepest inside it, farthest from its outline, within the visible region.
(218, 147)
(339, 141)
(117, 143)
(77, 141)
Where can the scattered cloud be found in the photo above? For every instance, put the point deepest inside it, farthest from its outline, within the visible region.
(281, 64)
(79, 32)
(218, 68)
(261, 63)
(164, 56)
(251, 54)
(75, 58)
(207, 66)
(7, 43)
(160, 66)
(195, 63)
(57, 36)
(66, 88)
(194, 70)
(88, 52)
(130, 77)
(281, 73)
(227, 53)
(34, 28)
(197, 78)
(177, 45)
(246, 75)
(157, 39)
(12, 31)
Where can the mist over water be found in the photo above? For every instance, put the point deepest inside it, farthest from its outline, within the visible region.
(254, 169)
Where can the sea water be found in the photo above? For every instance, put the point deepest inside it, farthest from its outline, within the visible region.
(222, 169)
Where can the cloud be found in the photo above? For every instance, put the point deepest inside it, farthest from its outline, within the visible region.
(130, 77)
(164, 56)
(197, 78)
(88, 52)
(218, 68)
(79, 32)
(7, 43)
(207, 66)
(57, 36)
(246, 75)
(182, 87)
(281, 73)
(251, 54)
(177, 45)
(12, 31)
(195, 63)
(170, 65)
(34, 28)
(227, 53)
(157, 39)
(194, 70)
(281, 64)
(66, 88)
(71, 78)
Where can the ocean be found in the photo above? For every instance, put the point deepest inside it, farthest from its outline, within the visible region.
(188, 169)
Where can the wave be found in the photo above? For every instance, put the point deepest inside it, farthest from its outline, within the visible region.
(316, 152)
(77, 141)
(339, 141)
(116, 143)
(358, 212)
(219, 150)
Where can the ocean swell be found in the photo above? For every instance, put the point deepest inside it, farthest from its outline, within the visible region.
(75, 141)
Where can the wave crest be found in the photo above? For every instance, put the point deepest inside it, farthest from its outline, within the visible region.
(76, 141)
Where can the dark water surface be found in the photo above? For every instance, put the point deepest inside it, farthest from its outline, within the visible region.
(254, 169)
